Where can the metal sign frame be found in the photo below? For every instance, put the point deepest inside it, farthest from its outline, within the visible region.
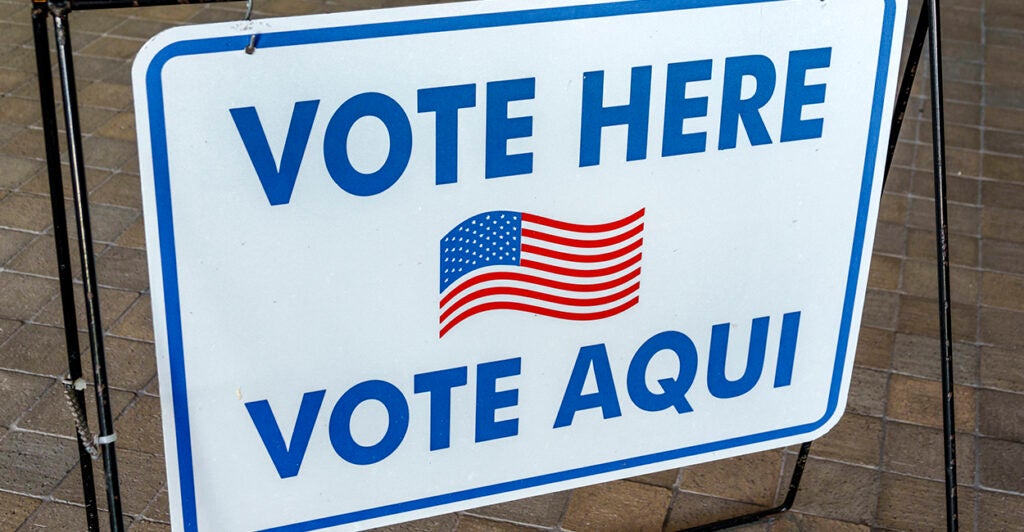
(928, 23)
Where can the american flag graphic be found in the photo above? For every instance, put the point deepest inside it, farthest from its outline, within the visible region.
(507, 260)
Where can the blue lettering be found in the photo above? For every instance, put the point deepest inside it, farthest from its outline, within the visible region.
(439, 385)
(500, 128)
(673, 391)
(634, 115)
(787, 349)
(278, 181)
(798, 94)
(718, 384)
(445, 102)
(341, 429)
(489, 400)
(287, 459)
(336, 157)
(605, 398)
(678, 108)
(735, 109)
(278, 175)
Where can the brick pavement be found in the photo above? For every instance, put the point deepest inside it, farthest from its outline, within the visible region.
(879, 469)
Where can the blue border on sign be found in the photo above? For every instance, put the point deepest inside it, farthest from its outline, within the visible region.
(165, 228)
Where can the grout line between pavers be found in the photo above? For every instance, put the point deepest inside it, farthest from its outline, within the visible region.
(125, 337)
(36, 401)
(564, 512)
(78, 281)
(1000, 491)
(976, 481)
(36, 510)
(43, 498)
(23, 230)
(673, 498)
(31, 373)
(123, 316)
(129, 225)
(742, 501)
(24, 430)
(143, 392)
(533, 526)
(882, 456)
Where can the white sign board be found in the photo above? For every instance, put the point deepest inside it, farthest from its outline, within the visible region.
(411, 261)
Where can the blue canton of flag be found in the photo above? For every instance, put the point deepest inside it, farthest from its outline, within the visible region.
(487, 239)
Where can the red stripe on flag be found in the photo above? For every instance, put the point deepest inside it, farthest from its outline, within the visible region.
(583, 228)
(574, 257)
(540, 296)
(539, 281)
(574, 272)
(580, 242)
(543, 311)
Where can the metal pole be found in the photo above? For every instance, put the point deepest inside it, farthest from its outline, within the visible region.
(906, 87)
(787, 504)
(942, 244)
(79, 5)
(107, 437)
(60, 238)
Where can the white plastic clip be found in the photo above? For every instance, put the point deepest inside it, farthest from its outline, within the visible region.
(106, 440)
(78, 384)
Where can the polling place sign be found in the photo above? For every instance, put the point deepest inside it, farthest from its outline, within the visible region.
(411, 261)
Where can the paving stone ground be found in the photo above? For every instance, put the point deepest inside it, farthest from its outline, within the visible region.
(879, 469)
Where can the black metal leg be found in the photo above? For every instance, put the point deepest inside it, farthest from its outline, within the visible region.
(787, 503)
(942, 244)
(928, 22)
(60, 237)
(107, 436)
(906, 87)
